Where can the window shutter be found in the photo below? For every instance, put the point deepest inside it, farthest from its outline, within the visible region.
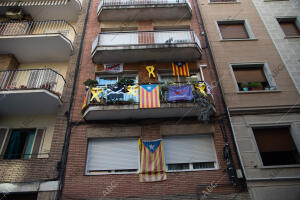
(189, 149)
(249, 74)
(37, 143)
(3, 137)
(270, 78)
(233, 31)
(290, 28)
(112, 154)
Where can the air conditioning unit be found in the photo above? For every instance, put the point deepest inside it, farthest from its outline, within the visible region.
(16, 14)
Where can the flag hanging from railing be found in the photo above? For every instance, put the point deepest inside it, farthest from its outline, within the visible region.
(85, 99)
(180, 93)
(180, 69)
(152, 161)
(149, 96)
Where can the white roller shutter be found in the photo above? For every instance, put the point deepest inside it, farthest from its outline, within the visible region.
(112, 154)
(189, 149)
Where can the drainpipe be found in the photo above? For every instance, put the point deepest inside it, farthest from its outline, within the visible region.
(65, 150)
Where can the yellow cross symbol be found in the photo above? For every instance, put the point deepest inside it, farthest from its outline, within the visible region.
(132, 89)
(96, 92)
(150, 70)
(201, 87)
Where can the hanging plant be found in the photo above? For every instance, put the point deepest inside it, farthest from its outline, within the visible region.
(90, 83)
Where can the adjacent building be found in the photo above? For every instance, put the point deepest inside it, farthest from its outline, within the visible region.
(38, 51)
(131, 53)
(257, 81)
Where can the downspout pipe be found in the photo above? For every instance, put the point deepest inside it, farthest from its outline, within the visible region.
(219, 85)
(65, 150)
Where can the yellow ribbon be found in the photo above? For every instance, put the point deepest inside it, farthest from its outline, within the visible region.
(201, 87)
(96, 92)
(132, 89)
(150, 70)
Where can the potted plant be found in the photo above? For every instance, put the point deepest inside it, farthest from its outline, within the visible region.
(255, 86)
(90, 83)
(125, 82)
(244, 86)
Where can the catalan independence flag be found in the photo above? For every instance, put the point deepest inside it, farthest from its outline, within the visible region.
(152, 161)
(85, 99)
(149, 96)
(180, 69)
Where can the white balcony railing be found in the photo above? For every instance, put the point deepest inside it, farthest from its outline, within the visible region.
(34, 2)
(145, 38)
(104, 3)
(32, 79)
(16, 28)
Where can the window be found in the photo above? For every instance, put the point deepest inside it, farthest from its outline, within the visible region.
(168, 77)
(20, 143)
(289, 26)
(222, 1)
(189, 152)
(112, 156)
(110, 79)
(276, 146)
(236, 29)
(253, 77)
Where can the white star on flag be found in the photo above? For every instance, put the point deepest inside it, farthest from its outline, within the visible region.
(151, 146)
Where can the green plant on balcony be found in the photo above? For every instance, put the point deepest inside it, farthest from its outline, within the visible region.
(125, 82)
(164, 91)
(90, 83)
(244, 86)
(256, 85)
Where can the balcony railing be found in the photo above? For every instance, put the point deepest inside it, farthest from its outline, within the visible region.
(145, 38)
(29, 79)
(19, 28)
(35, 2)
(104, 3)
(106, 95)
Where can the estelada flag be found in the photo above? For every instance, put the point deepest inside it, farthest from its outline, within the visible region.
(149, 96)
(180, 69)
(152, 161)
(85, 100)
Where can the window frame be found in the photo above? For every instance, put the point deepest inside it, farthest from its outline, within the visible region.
(113, 171)
(119, 75)
(170, 73)
(293, 131)
(216, 163)
(265, 68)
(235, 21)
(7, 138)
(232, 2)
(297, 23)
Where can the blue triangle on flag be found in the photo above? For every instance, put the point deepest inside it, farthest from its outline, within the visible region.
(149, 88)
(179, 64)
(152, 145)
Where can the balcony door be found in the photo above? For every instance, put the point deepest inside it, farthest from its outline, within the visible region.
(46, 79)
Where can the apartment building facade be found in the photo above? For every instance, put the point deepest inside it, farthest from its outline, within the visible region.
(39, 42)
(281, 19)
(257, 78)
(131, 48)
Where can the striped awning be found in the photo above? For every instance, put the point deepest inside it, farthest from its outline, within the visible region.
(33, 3)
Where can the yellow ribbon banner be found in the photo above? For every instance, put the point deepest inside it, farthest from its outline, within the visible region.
(201, 87)
(95, 92)
(132, 89)
(150, 70)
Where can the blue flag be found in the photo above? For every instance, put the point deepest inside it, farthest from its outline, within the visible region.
(180, 93)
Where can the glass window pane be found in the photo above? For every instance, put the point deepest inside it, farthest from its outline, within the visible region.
(203, 165)
(179, 166)
(107, 80)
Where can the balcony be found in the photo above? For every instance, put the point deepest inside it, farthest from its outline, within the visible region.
(128, 47)
(144, 10)
(30, 91)
(68, 10)
(37, 41)
(117, 103)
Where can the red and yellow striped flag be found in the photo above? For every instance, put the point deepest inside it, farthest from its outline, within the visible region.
(149, 96)
(152, 161)
(180, 69)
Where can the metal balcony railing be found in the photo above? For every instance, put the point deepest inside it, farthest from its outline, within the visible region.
(104, 3)
(35, 2)
(32, 79)
(17, 28)
(145, 38)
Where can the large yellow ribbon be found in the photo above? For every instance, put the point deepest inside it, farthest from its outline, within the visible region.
(150, 70)
(96, 92)
(132, 89)
(201, 87)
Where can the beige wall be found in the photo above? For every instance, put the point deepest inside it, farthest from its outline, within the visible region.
(36, 121)
(260, 50)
